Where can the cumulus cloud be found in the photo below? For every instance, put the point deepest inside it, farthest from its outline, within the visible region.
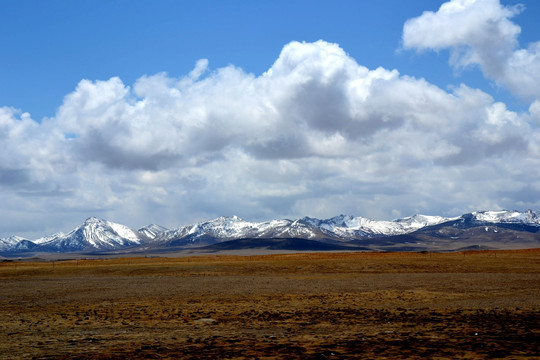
(314, 101)
(480, 32)
(316, 134)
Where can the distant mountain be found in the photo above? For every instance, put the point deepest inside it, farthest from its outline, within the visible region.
(351, 227)
(477, 230)
(233, 228)
(528, 217)
(152, 231)
(93, 235)
(483, 229)
(10, 242)
(339, 228)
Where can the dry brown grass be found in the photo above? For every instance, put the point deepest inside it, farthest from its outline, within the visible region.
(323, 306)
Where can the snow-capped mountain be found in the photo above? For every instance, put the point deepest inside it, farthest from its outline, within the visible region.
(10, 242)
(528, 217)
(220, 229)
(152, 231)
(348, 226)
(339, 228)
(49, 238)
(343, 231)
(231, 228)
(93, 234)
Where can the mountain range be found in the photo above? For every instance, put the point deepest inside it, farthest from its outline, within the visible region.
(479, 230)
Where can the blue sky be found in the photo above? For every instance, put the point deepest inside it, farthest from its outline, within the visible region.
(52, 45)
(135, 158)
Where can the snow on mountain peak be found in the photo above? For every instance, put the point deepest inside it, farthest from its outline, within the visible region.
(48, 238)
(418, 221)
(9, 242)
(152, 231)
(225, 226)
(93, 220)
(508, 216)
(96, 234)
(346, 225)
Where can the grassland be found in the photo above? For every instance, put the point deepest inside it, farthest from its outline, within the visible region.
(318, 306)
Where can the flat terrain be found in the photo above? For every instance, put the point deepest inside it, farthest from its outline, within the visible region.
(318, 306)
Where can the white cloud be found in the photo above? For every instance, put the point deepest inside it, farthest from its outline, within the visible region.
(200, 68)
(480, 32)
(317, 134)
(534, 110)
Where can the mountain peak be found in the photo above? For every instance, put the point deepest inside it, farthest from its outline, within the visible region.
(152, 231)
(99, 235)
(93, 220)
(229, 218)
(508, 216)
(93, 234)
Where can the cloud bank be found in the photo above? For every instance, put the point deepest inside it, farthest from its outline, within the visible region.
(316, 134)
(480, 32)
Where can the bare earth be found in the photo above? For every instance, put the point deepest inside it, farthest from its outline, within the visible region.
(305, 306)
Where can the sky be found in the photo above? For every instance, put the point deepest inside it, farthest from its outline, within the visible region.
(173, 112)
